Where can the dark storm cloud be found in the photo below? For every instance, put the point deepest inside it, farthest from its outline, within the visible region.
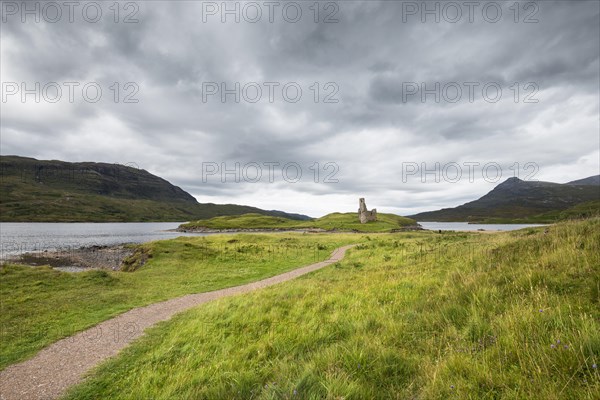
(370, 133)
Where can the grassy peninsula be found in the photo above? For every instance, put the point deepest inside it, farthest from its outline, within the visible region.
(339, 222)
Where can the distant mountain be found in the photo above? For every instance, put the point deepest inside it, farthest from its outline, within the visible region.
(592, 180)
(36, 190)
(518, 199)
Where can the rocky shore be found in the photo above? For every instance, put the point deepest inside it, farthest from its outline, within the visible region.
(77, 260)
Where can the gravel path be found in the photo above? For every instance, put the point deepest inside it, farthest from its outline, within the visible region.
(54, 369)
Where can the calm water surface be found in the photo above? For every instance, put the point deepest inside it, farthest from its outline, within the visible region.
(21, 237)
(464, 226)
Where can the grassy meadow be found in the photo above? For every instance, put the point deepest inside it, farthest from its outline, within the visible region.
(416, 315)
(41, 305)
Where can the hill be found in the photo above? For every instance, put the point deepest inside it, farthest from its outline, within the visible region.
(515, 199)
(56, 191)
(585, 210)
(347, 222)
(592, 180)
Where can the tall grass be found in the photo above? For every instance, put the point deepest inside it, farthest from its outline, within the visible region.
(404, 316)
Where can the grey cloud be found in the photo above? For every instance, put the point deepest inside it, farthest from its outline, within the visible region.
(369, 133)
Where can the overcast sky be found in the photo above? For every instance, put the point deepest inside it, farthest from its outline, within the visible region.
(367, 118)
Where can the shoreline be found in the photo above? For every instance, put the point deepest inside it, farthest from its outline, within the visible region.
(242, 230)
(110, 257)
(284, 230)
(86, 258)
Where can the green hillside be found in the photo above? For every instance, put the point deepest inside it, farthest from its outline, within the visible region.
(349, 222)
(55, 191)
(580, 211)
(330, 222)
(517, 199)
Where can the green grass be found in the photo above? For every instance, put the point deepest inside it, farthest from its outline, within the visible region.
(40, 305)
(404, 316)
(330, 222)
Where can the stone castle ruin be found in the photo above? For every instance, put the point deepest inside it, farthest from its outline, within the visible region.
(365, 215)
